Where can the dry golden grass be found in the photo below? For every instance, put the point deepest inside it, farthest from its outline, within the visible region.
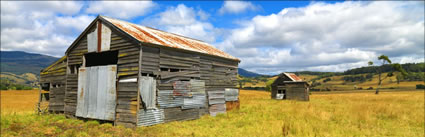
(18, 101)
(345, 114)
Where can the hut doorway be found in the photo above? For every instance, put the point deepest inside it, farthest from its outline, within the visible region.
(281, 94)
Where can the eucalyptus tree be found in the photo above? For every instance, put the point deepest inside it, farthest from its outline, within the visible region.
(386, 61)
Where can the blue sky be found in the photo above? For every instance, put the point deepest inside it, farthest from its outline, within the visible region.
(268, 36)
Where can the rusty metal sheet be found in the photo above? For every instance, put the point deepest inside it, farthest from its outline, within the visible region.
(147, 89)
(149, 35)
(216, 97)
(181, 88)
(81, 111)
(150, 117)
(217, 109)
(105, 38)
(166, 99)
(231, 94)
(92, 41)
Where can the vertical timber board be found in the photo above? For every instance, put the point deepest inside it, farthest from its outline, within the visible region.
(82, 75)
(111, 96)
(92, 99)
(147, 88)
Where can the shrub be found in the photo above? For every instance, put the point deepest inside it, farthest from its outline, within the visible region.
(420, 86)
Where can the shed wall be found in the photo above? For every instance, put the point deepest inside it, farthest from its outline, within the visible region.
(55, 75)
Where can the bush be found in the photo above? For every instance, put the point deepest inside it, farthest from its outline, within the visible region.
(420, 86)
(370, 88)
(326, 80)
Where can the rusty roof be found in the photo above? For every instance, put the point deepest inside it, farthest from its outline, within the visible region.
(293, 77)
(150, 35)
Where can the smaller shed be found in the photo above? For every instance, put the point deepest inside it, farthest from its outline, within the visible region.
(290, 86)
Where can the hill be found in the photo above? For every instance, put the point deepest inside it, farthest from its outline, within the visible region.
(18, 62)
(246, 73)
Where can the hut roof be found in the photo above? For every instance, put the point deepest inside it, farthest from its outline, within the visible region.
(293, 77)
(51, 66)
(158, 37)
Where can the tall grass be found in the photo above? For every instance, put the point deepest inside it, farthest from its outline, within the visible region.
(350, 114)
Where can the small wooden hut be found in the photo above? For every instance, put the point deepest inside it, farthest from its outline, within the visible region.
(135, 75)
(290, 86)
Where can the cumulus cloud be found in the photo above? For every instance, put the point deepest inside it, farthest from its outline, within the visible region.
(46, 27)
(328, 37)
(120, 9)
(184, 21)
(234, 7)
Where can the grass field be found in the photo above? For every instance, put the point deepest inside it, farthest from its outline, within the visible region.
(346, 114)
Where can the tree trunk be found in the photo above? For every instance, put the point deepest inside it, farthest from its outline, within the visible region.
(379, 84)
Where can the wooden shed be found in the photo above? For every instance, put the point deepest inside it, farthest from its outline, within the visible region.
(290, 86)
(135, 75)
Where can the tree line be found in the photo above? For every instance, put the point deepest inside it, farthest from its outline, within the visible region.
(6, 84)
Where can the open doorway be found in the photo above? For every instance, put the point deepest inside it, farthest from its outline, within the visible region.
(281, 94)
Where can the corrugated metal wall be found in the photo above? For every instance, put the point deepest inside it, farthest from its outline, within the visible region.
(231, 94)
(96, 92)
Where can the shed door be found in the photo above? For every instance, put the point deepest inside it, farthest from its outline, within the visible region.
(97, 92)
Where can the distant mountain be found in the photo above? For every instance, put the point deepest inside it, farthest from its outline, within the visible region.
(247, 73)
(18, 62)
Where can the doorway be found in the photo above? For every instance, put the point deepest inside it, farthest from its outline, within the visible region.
(281, 94)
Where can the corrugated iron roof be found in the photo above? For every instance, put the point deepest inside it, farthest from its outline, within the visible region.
(150, 35)
(293, 77)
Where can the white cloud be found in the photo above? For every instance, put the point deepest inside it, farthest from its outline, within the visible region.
(235, 7)
(184, 21)
(46, 27)
(328, 37)
(121, 9)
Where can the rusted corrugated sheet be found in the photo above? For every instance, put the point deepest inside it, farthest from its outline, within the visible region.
(181, 88)
(232, 105)
(216, 97)
(231, 94)
(149, 35)
(293, 77)
(217, 108)
(150, 117)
